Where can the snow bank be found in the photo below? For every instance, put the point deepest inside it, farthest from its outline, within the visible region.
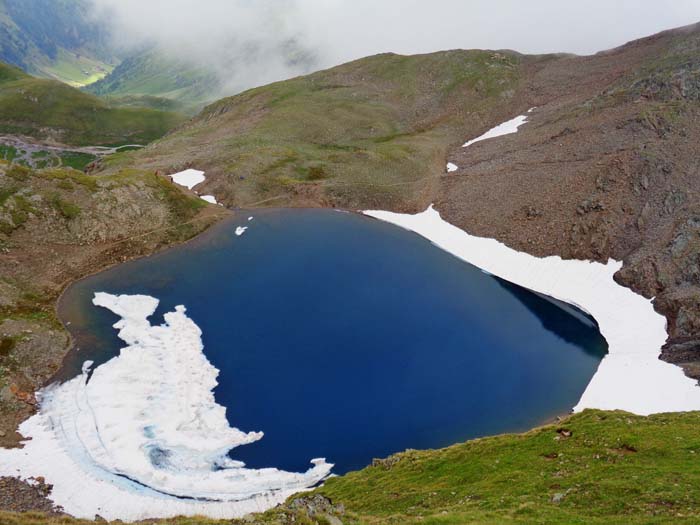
(209, 198)
(452, 167)
(144, 437)
(507, 128)
(631, 377)
(188, 178)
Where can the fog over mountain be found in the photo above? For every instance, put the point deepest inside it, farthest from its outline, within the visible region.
(254, 42)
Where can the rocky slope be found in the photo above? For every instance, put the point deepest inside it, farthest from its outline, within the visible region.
(57, 226)
(606, 167)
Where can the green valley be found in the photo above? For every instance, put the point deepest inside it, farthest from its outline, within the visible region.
(55, 39)
(50, 110)
(151, 77)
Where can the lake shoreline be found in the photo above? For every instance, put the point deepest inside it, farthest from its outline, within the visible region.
(231, 215)
(632, 376)
(201, 243)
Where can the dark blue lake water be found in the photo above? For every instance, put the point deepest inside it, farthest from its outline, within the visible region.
(343, 337)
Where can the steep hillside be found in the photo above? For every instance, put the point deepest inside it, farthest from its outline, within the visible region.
(153, 74)
(368, 133)
(606, 167)
(51, 110)
(54, 39)
(57, 225)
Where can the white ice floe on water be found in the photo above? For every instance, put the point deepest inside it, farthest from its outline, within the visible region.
(241, 230)
(209, 198)
(507, 128)
(250, 219)
(144, 437)
(188, 178)
(631, 377)
(451, 167)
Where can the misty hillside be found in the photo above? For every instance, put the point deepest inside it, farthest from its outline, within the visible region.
(76, 43)
(152, 74)
(54, 39)
(192, 82)
(50, 110)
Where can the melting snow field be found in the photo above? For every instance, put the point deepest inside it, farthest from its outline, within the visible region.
(188, 178)
(631, 377)
(191, 178)
(144, 437)
(507, 128)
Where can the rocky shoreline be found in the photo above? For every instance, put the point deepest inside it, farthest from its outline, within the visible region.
(63, 226)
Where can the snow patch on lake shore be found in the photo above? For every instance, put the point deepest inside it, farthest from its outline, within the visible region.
(631, 377)
(144, 436)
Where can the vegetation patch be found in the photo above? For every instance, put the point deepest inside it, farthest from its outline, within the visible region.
(19, 173)
(7, 152)
(66, 208)
(69, 176)
(7, 344)
(76, 160)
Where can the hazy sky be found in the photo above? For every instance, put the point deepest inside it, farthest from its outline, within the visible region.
(220, 32)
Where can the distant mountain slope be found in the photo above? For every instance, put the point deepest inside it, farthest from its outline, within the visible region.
(365, 132)
(150, 73)
(50, 110)
(194, 82)
(54, 39)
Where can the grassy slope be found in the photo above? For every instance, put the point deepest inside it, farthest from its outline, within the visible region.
(74, 68)
(613, 468)
(54, 39)
(372, 131)
(150, 74)
(49, 109)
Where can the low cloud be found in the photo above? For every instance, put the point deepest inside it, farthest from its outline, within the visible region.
(252, 42)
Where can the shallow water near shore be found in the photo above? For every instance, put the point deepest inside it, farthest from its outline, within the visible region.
(343, 337)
